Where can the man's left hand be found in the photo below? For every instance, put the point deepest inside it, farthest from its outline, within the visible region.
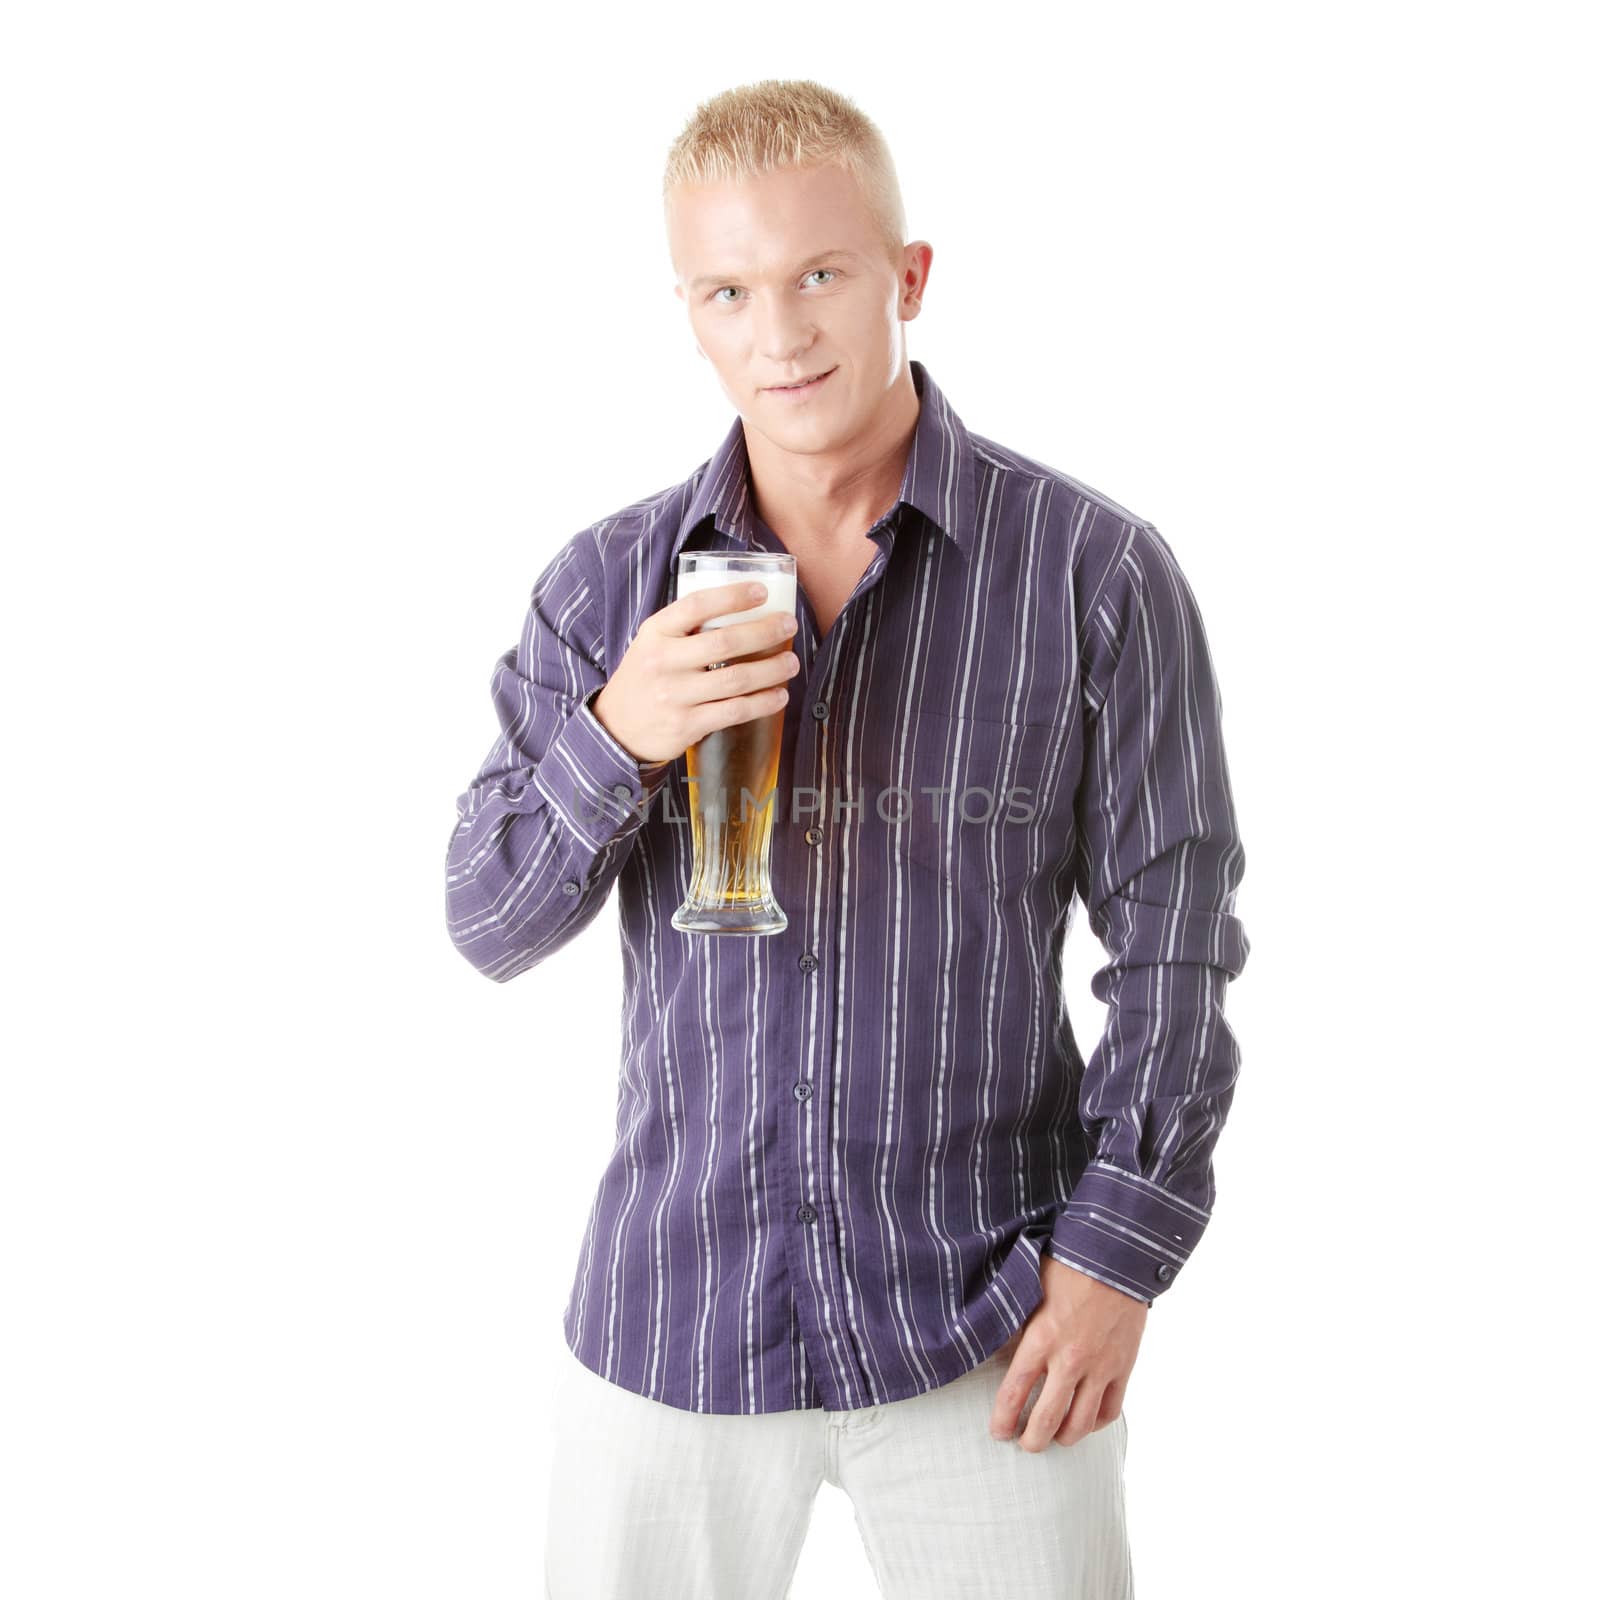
(1083, 1339)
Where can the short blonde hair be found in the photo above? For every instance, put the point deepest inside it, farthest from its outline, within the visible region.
(788, 122)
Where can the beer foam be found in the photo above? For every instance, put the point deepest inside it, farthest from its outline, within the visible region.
(780, 593)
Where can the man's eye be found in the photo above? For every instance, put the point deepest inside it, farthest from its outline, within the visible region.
(729, 288)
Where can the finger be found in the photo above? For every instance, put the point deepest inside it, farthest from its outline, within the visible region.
(1083, 1415)
(740, 678)
(755, 637)
(743, 708)
(688, 611)
(1015, 1387)
(1111, 1403)
(1049, 1409)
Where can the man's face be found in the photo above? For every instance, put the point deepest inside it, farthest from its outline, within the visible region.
(784, 277)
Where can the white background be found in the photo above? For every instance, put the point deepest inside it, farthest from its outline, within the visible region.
(325, 324)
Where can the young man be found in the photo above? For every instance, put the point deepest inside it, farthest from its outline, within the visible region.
(869, 1210)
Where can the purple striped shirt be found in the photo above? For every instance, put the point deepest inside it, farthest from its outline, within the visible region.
(840, 1150)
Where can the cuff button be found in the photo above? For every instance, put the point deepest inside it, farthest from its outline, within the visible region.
(1164, 1272)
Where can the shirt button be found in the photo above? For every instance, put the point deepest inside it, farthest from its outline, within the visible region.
(819, 709)
(806, 1213)
(571, 886)
(802, 1091)
(813, 835)
(1164, 1272)
(808, 962)
(622, 791)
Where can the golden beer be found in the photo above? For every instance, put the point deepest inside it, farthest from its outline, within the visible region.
(733, 772)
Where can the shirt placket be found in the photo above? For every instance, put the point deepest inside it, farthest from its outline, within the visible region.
(807, 891)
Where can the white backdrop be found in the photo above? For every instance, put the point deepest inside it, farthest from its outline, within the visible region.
(327, 323)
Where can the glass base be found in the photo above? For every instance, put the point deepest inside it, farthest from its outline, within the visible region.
(763, 918)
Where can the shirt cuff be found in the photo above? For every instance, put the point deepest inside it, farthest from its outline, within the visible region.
(1125, 1231)
(597, 788)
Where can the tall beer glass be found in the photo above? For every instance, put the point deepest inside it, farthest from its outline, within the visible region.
(733, 772)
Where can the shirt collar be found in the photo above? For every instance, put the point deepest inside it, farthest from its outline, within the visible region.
(940, 480)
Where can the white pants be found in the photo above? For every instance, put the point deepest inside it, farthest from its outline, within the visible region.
(651, 1502)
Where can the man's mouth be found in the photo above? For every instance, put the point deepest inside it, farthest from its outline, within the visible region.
(801, 387)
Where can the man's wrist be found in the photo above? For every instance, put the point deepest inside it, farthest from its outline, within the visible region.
(1126, 1230)
(642, 766)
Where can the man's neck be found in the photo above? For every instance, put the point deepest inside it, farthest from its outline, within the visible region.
(814, 502)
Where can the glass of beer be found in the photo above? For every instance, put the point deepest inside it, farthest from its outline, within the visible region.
(733, 772)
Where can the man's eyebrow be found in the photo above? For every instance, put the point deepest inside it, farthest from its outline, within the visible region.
(706, 279)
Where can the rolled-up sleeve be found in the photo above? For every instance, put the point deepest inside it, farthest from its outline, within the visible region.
(544, 826)
(1158, 866)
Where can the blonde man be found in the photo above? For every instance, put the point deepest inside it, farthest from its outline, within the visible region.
(871, 1218)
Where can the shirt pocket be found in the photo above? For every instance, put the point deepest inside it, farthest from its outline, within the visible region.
(967, 795)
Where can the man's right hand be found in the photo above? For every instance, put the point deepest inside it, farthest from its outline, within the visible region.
(661, 699)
